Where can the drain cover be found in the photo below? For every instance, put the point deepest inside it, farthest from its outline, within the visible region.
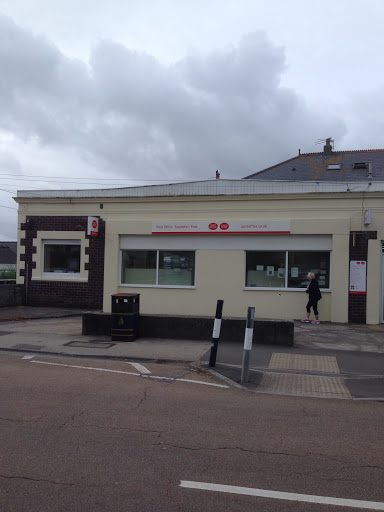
(28, 347)
(89, 344)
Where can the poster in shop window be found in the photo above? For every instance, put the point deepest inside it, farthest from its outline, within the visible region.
(358, 277)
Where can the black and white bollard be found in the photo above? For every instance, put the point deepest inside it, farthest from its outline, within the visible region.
(216, 333)
(247, 345)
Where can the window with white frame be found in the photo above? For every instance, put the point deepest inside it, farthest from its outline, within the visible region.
(158, 268)
(61, 258)
(286, 269)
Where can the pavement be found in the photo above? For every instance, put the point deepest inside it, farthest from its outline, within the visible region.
(344, 361)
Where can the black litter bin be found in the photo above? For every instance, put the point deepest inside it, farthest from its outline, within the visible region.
(125, 316)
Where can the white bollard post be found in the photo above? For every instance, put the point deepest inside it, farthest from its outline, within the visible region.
(247, 345)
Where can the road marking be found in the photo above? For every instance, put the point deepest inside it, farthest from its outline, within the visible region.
(87, 368)
(187, 380)
(157, 377)
(205, 383)
(28, 357)
(263, 493)
(139, 367)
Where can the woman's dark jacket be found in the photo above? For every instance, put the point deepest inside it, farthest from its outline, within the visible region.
(313, 291)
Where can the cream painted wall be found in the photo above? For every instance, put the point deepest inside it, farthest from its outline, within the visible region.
(220, 275)
(333, 214)
(374, 301)
(340, 277)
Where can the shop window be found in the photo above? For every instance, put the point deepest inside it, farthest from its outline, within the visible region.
(265, 269)
(177, 268)
(158, 268)
(268, 269)
(302, 262)
(138, 267)
(61, 257)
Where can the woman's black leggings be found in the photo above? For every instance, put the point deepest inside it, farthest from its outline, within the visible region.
(313, 304)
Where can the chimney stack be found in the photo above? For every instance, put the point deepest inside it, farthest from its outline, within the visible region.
(217, 175)
(328, 146)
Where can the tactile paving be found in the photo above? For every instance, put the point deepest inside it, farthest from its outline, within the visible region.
(322, 364)
(305, 385)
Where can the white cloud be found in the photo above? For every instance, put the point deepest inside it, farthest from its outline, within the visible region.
(120, 112)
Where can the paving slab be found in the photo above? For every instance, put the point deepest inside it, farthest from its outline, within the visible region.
(31, 312)
(303, 385)
(63, 336)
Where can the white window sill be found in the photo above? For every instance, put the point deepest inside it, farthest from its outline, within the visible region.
(255, 288)
(61, 277)
(157, 286)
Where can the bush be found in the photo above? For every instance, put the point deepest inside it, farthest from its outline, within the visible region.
(8, 273)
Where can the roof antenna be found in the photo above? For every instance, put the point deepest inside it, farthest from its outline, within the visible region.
(299, 151)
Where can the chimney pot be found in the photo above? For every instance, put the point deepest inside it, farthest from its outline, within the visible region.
(217, 175)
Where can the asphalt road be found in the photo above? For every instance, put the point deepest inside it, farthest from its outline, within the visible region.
(80, 439)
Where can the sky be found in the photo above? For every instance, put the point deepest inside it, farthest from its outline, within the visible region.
(126, 92)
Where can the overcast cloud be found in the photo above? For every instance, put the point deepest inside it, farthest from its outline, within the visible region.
(130, 113)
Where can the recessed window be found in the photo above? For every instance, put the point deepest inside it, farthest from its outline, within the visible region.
(360, 165)
(268, 269)
(61, 257)
(334, 167)
(158, 268)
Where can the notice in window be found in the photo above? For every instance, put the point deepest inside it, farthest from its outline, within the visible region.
(294, 271)
(281, 272)
(270, 271)
(358, 277)
(260, 267)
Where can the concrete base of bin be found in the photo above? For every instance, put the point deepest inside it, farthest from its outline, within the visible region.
(266, 331)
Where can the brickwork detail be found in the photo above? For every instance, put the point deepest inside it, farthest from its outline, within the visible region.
(358, 250)
(65, 293)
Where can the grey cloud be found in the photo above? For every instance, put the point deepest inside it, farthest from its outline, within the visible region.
(130, 115)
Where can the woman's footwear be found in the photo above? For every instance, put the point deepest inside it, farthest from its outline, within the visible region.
(306, 321)
(316, 322)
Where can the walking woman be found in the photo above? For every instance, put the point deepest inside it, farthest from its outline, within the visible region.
(314, 293)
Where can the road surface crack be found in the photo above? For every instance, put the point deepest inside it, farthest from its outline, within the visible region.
(142, 400)
(70, 420)
(247, 450)
(40, 480)
(20, 420)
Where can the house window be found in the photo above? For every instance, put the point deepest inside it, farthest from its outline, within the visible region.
(268, 269)
(158, 268)
(334, 167)
(61, 258)
(360, 165)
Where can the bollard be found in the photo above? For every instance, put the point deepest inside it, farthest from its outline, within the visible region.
(216, 333)
(247, 345)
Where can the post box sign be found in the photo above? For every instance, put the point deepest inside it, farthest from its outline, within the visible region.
(215, 227)
(358, 277)
(93, 226)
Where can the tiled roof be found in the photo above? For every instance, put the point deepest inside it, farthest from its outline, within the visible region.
(314, 166)
(11, 245)
(7, 256)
